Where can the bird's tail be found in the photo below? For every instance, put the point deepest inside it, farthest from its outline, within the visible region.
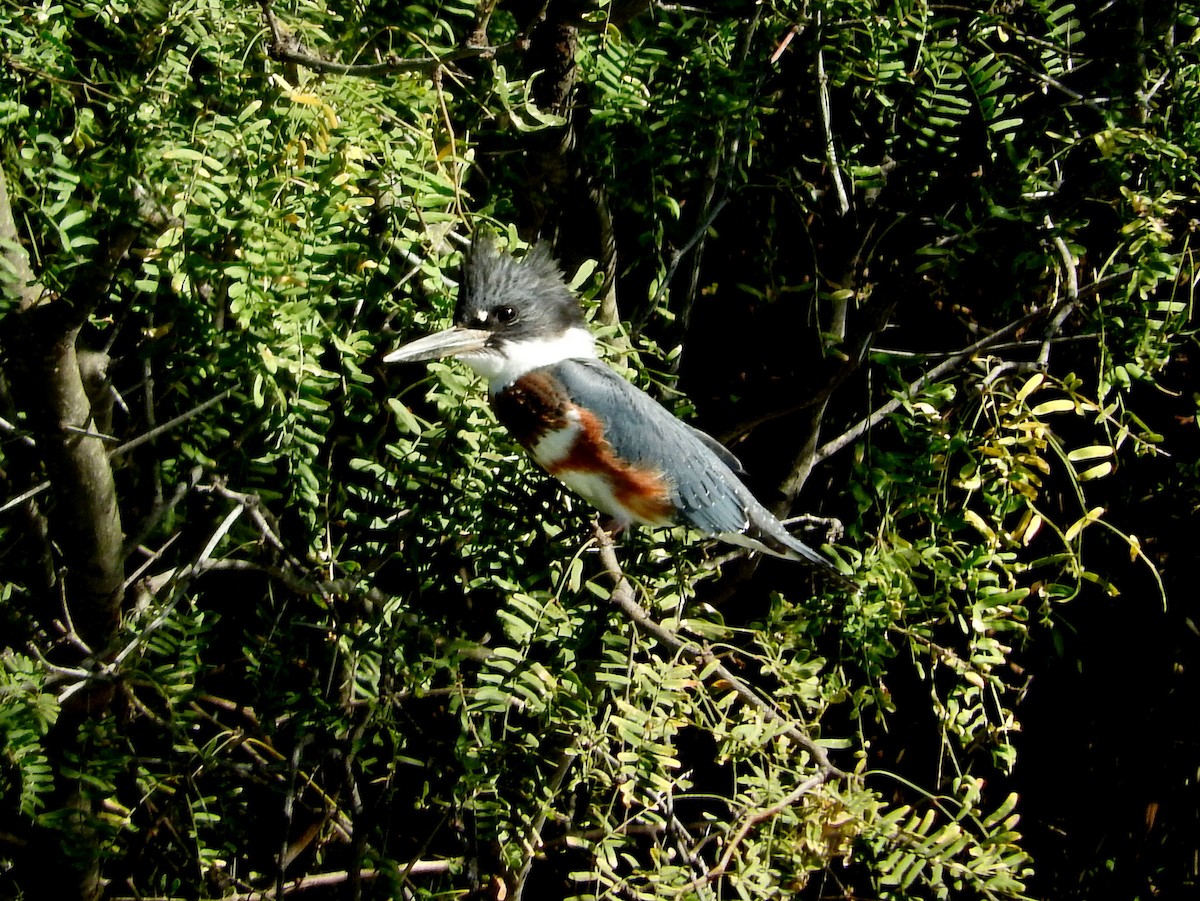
(794, 549)
(767, 534)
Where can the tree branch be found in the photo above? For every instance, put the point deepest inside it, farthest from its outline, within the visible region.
(752, 819)
(169, 424)
(534, 842)
(951, 364)
(622, 597)
(1070, 270)
(85, 521)
(831, 160)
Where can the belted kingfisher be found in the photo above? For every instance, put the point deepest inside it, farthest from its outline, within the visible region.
(518, 325)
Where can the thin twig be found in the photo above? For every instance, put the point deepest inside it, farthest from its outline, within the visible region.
(533, 843)
(7, 426)
(21, 498)
(1070, 266)
(743, 428)
(677, 256)
(150, 523)
(1026, 344)
(861, 427)
(717, 187)
(110, 668)
(831, 160)
(319, 880)
(254, 506)
(168, 425)
(89, 433)
(1095, 105)
(749, 822)
(151, 558)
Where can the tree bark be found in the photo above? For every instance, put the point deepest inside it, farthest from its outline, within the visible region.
(43, 369)
(85, 521)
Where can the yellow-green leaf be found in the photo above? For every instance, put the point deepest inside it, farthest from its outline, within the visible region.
(1030, 386)
(1084, 521)
(976, 521)
(404, 417)
(1094, 452)
(169, 237)
(1058, 405)
(1096, 472)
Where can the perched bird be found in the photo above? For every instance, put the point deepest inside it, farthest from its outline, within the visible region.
(519, 326)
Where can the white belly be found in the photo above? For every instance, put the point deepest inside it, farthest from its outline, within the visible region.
(604, 491)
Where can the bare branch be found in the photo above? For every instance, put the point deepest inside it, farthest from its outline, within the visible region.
(169, 424)
(1070, 270)
(831, 160)
(323, 880)
(24, 496)
(533, 843)
(338, 877)
(955, 361)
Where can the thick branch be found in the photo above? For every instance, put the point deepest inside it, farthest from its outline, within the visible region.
(85, 521)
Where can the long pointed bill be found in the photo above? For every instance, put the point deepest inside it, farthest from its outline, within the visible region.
(452, 341)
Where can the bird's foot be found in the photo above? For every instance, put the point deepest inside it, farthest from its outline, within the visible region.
(832, 527)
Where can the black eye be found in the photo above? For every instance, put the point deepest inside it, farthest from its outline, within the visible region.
(505, 314)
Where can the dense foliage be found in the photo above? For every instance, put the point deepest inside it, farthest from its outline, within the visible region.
(276, 617)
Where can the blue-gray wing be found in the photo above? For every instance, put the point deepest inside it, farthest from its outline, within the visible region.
(704, 488)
